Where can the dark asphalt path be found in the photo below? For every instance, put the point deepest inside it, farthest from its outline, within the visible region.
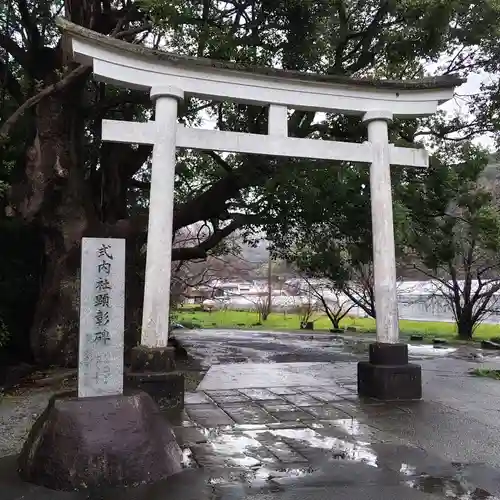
(219, 346)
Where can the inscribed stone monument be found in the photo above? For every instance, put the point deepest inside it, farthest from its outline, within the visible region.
(100, 368)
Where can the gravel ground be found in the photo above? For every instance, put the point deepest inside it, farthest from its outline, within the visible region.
(17, 415)
(20, 408)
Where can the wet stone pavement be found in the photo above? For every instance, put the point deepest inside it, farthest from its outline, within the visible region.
(321, 438)
(283, 421)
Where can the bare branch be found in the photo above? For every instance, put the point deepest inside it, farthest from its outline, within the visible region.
(433, 276)
(201, 251)
(79, 72)
(134, 31)
(224, 164)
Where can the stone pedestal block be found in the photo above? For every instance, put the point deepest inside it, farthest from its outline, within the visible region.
(167, 389)
(107, 441)
(152, 359)
(388, 376)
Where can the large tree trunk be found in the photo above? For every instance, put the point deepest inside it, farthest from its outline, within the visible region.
(53, 193)
(465, 325)
(60, 199)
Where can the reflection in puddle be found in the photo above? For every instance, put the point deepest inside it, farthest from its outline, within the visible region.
(359, 451)
(350, 427)
(429, 351)
(268, 474)
(237, 448)
(253, 449)
(187, 459)
(408, 470)
(449, 487)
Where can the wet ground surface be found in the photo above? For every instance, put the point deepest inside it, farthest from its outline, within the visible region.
(211, 347)
(278, 417)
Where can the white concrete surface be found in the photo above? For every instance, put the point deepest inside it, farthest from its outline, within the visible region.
(384, 258)
(155, 313)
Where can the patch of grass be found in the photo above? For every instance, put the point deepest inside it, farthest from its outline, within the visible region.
(487, 373)
(286, 321)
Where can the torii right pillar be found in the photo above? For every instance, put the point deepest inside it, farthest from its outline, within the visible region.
(387, 375)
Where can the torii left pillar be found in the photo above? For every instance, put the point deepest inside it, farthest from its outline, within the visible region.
(153, 362)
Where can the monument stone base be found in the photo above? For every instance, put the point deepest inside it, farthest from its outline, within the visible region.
(152, 370)
(388, 375)
(106, 441)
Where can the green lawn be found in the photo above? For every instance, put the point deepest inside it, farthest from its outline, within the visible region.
(282, 321)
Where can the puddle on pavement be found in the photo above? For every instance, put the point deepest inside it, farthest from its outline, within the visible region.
(457, 489)
(429, 351)
(255, 446)
(268, 474)
(238, 450)
(251, 448)
(187, 459)
(341, 449)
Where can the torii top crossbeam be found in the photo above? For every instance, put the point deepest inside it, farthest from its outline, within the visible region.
(169, 77)
(138, 67)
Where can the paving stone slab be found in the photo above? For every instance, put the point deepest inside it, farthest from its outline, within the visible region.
(191, 398)
(248, 413)
(284, 390)
(303, 400)
(187, 436)
(228, 396)
(325, 412)
(260, 394)
(265, 375)
(292, 415)
(285, 453)
(208, 416)
(206, 456)
(277, 406)
(325, 396)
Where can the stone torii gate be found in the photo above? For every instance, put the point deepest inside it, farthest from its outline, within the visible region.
(170, 77)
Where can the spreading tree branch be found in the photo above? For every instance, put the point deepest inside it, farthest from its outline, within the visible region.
(222, 163)
(201, 251)
(71, 77)
(78, 72)
(367, 54)
(125, 34)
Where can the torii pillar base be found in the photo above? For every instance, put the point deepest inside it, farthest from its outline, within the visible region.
(153, 370)
(388, 376)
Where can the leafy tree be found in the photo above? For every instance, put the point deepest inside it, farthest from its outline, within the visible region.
(63, 180)
(452, 229)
